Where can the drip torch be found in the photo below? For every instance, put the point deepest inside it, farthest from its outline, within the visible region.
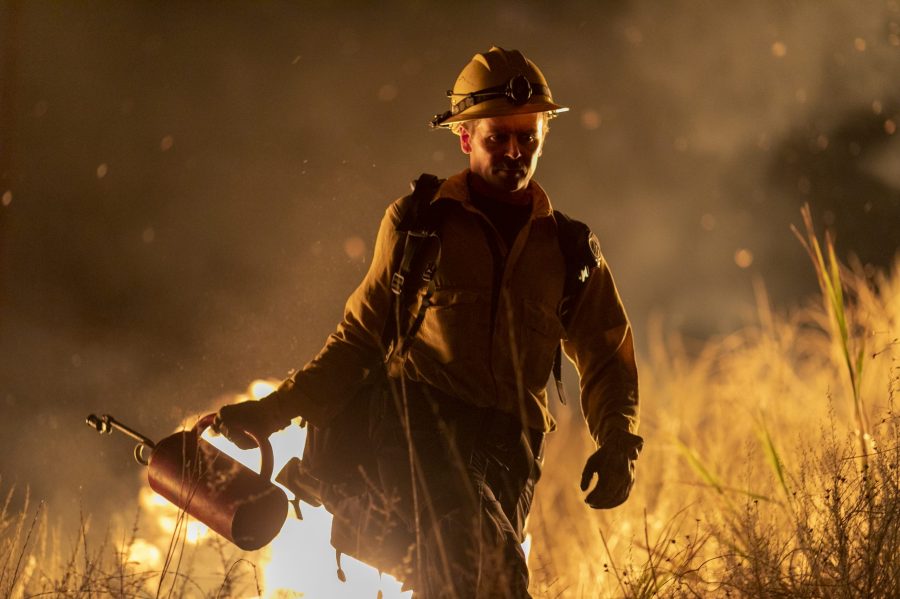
(231, 499)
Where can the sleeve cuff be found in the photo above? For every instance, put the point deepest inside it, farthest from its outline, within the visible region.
(625, 442)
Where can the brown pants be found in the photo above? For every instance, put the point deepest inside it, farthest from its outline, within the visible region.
(476, 470)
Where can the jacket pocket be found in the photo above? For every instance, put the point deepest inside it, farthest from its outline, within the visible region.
(456, 326)
(542, 332)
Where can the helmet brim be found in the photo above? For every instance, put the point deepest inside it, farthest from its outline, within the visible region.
(503, 107)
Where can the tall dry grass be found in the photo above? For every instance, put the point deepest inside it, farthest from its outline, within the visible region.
(770, 470)
(761, 475)
(36, 561)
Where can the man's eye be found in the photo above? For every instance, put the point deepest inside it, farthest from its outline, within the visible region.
(527, 139)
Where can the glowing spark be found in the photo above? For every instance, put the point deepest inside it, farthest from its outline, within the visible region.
(860, 44)
(743, 258)
(387, 92)
(779, 50)
(102, 170)
(355, 248)
(7, 197)
(890, 127)
(590, 119)
(634, 36)
(166, 143)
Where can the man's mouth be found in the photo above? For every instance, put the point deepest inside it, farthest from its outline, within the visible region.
(516, 170)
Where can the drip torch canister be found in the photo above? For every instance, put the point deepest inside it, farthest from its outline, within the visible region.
(231, 499)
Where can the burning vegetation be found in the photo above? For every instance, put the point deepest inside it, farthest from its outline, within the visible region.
(771, 470)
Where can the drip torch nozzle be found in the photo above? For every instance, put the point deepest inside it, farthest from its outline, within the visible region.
(106, 424)
(100, 424)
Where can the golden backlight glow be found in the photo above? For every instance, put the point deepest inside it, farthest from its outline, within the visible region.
(300, 561)
(144, 553)
(167, 517)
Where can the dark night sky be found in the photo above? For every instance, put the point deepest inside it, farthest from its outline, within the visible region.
(185, 185)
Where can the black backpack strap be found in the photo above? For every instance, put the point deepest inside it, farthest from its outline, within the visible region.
(415, 263)
(581, 252)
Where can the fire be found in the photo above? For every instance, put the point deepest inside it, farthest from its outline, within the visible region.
(144, 553)
(194, 531)
(167, 518)
(260, 388)
(300, 561)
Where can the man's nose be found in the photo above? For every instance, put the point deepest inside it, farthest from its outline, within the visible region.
(512, 148)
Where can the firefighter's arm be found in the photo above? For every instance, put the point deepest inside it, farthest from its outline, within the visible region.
(316, 392)
(600, 342)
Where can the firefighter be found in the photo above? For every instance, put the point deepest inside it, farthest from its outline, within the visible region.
(470, 427)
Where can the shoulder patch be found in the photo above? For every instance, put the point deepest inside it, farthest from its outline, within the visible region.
(594, 246)
(581, 252)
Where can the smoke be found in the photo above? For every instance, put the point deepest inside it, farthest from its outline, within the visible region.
(196, 192)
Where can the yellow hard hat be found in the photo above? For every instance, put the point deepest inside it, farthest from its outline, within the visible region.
(497, 83)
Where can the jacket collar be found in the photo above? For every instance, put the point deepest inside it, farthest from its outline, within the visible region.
(456, 188)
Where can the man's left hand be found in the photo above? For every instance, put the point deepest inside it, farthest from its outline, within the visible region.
(613, 464)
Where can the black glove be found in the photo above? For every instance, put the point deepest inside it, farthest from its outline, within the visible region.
(262, 418)
(613, 464)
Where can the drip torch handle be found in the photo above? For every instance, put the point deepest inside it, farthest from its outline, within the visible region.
(267, 455)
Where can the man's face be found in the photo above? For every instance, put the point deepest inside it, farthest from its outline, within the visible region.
(504, 151)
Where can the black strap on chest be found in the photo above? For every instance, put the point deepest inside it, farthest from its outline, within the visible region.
(414, 264)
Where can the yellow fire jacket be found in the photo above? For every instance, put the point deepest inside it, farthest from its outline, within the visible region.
(487, 346)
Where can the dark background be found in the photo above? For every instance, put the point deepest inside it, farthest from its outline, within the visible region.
(190, 190)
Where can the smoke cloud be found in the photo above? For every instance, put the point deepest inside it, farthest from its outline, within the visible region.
(189, 195)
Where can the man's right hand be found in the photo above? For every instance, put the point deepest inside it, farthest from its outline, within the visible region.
(261, 418)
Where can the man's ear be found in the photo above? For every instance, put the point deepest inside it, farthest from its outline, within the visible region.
(465, 140)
